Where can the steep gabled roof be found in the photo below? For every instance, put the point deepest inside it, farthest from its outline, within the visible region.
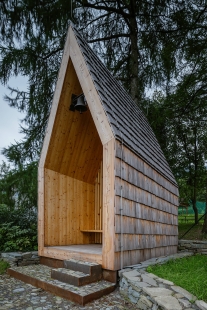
(126, 119)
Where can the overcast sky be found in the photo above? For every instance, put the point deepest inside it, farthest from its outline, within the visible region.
(10, 117)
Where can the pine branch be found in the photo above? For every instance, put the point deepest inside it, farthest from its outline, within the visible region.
(52, 53)
(85, 3)
(114, 36)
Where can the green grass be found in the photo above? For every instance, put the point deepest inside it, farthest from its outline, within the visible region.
(194, 234)
(3, 266)
(190, 218)
(187, 221)
(190, 273)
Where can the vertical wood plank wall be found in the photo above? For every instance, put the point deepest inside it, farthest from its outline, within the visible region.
(108, 248)
(99, 204)
(73, 159)
(75, 148)
(69, 208)
(150, 206)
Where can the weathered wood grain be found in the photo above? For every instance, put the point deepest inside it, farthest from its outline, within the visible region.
(131, 176)
(133, 242)
(139, 194)
(149, 202)
(132, 160)
(138, 210)
(144, 226)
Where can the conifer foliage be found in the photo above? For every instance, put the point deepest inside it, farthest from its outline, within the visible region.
(140, 42)
(158, 44)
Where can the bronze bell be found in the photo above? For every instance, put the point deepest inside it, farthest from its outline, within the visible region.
(78, 103)
(81, 104)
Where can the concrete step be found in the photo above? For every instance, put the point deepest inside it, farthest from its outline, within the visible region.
(76, 278)
(85, 267)
(40, 276)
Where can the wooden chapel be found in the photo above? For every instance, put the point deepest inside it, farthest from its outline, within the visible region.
(106, 192)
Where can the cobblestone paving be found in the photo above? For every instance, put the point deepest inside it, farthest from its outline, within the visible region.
(17, 295)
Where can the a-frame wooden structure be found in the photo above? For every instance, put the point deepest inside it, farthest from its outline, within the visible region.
(106, 192)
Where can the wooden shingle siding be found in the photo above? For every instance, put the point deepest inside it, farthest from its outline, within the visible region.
(151, 190)
(149, 205)
(133, 242)
(136, 164)
(140, 194)
(137, 210)
(167, 226)
(140, 255)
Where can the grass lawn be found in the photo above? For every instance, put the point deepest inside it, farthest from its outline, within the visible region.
(3, 266)
(194, 234)
(185, 222)
(190, 273)
(190, 218)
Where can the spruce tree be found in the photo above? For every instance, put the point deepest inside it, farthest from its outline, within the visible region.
(159, 44)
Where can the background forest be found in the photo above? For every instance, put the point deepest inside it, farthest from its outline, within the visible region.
(157, 49)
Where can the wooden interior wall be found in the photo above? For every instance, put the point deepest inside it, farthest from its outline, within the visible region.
(72, 151)
(75, 148)
(149, 210)
(69, 208)
(72, 163)
(99, 204)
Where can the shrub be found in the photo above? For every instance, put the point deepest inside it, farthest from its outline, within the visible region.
(15, 238)
(23, 217)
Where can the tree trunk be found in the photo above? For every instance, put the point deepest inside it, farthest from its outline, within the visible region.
(204, 228)
(195, 176)
(195, 210)
(193, 196)
(134, 56)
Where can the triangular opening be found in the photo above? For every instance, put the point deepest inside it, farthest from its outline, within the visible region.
(73, 174)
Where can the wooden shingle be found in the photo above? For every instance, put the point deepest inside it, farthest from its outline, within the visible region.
(126, 119)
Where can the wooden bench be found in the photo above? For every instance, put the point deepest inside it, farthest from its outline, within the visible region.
(91, 230)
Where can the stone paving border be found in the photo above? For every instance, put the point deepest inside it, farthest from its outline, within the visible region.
(21, 258)
(195, 246)
(150, 292)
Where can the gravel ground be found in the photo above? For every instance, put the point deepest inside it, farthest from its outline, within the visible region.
(16, 295)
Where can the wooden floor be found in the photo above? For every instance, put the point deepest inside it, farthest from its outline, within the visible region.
(80, 248)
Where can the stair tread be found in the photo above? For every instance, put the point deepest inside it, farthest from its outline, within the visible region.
(91, 264)
(77, 274)
(43, 273)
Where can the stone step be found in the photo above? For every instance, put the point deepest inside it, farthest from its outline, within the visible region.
(85, 267)
(40, 276)
(76, 278)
